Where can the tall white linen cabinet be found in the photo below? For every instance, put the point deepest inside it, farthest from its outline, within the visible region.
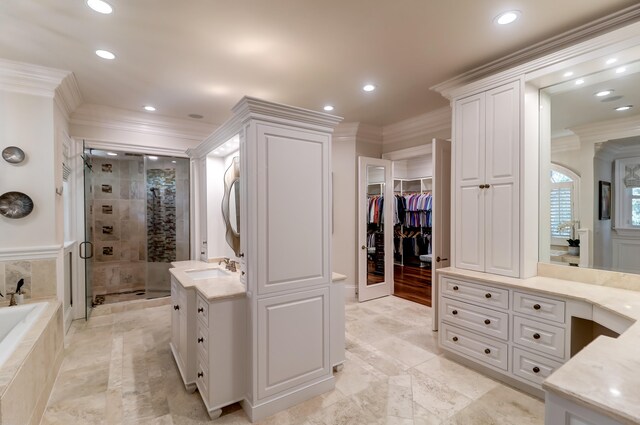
(285, 238)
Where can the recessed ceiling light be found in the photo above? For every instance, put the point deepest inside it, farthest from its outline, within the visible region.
(368, 87)
(173, 162)
(603, 93)
(568, 74)
(100, 6)
(624, 108)
(507, 17)
(105, 54)
(328, 108)
(580, 81)
(612, 60)
(112, 154)
(153, 158)
(149, 108)
(621, 70)
(196, 116)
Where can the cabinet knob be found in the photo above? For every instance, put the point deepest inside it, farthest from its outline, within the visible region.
(481, 186)
(243, 273)
(536, 369)
(200, 374)
(241, 255)
(455, 288)
(487, 351)
(537, 306)
(364, 247)
(487, 186)
(487, 295)
(202, 252)
(454, 312)
(455, 339)
(536, 336)
(200, 310)
(487, 321)
(200, 340)
(176, 307)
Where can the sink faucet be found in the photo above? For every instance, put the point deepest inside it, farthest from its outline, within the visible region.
(229, 264)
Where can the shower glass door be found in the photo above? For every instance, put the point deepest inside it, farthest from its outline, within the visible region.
(86, 247)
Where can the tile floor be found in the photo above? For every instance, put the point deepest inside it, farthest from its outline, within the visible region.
(118, 369)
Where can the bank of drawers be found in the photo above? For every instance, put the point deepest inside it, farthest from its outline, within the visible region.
(522, 334)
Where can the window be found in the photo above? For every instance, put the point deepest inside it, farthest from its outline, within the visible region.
(627, 194)
(635, 206)
(564, 201)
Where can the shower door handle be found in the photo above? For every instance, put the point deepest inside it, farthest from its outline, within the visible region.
(85, 256)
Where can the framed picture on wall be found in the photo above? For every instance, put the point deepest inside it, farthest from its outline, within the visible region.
(604, 212)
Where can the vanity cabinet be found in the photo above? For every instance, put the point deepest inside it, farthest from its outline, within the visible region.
(183, 330)
(519, 334)
(486, 144)
(220, 344)
(560, 411)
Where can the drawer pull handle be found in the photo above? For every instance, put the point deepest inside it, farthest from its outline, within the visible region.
(200, 340)
(200, 309)
(487, 295)
(176, 307)
(536, 336)
(536, 369)
(487, 321)
(242, 273)
(537, 307)
(455, 339)
(487, 351)
(455, 288)
(454, 312)
(200, 374)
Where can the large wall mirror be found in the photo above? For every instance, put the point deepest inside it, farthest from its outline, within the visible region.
(231, 205)
(590, 165)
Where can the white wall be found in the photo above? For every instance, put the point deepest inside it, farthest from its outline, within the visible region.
(27, 121)
(413, 168)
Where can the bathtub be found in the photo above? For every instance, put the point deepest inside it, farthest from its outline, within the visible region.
(14, 324)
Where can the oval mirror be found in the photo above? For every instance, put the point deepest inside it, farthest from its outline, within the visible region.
(231, 204)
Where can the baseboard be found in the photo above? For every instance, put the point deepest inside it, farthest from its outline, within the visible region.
(264, 409)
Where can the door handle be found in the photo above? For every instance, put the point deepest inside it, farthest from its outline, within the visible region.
(85, 256)
(364, 247)
(438, 259)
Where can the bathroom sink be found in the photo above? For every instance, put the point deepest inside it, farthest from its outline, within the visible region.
(206, 273)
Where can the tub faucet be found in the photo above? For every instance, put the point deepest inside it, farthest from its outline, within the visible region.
(12, 300)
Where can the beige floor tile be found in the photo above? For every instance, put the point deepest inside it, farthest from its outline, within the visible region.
(437, 397)
(404, 351)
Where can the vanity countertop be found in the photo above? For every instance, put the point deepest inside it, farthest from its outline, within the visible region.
(337, 277)
(212, 288)
(604, 375)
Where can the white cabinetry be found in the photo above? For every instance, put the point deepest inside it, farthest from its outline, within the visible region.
(519, 334)
(220, 344)
(559, 411)
(487, 202)
(183, 331)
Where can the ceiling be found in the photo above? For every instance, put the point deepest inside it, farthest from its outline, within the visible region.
(201, 56)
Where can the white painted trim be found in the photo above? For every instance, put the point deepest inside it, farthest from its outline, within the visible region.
(619, 128)
(106, 117)
(423, 125)
(570, 43)
(134, 148)
(30, 253)
(422, 150)
(30, 79)
(565, 144)
(68, 96)
(356, 130)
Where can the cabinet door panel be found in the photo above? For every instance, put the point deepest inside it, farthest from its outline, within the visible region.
(503, 133)
(502, 236)
(470, 228)
(469, 144)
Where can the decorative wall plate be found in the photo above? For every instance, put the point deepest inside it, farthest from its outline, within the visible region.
(13, 154)
(15, 205)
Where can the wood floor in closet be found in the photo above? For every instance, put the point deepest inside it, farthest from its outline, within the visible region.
(412, 283)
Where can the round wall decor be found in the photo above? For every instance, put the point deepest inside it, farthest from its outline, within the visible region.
(15, 205)
(13, 154)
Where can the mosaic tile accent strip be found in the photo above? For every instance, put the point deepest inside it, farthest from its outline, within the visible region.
(161, 215)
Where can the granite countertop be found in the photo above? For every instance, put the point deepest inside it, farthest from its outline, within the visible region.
(212, 288)
(604, 375)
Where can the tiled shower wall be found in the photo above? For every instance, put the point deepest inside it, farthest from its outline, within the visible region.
(119, 225)
(39, 278)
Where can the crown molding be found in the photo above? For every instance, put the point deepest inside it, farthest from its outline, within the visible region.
(618, 128)
(253, 108)
(357, 131)
(423, 125)
(565, 143)
(68, 96)
(107, 117)
(345, 131)
(108, 145)
(408, 153)
(30, 253)
(552, 50)
(26, 78)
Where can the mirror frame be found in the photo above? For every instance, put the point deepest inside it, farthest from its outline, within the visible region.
(231, 179)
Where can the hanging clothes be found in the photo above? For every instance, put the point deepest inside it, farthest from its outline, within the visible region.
(375, 213)
(418, 210)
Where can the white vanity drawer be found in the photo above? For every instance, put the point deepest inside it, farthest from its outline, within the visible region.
(532, 367)
(536, 306)
(202, 310)
(484, 320)
(475, 292)
(538, 336)
(475, 346)
(202, 379)
(202, 341)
